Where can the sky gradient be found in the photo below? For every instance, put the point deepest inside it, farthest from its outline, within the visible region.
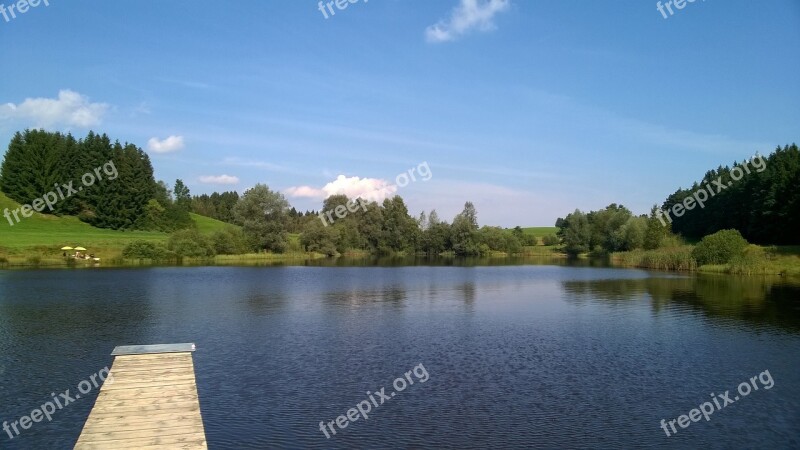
(529, 109)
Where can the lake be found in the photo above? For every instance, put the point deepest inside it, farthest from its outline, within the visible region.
(514, 356)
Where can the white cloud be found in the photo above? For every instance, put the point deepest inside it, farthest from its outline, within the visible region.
(305, 192)
(70, 109)
(168, 145)
(367, 188)
(468, 15)
(220, 179)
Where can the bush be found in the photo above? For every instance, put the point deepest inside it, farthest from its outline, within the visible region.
(145, 250)
(720, 247)
(320, 239)
(190, 244)
(550, 240)
(3, 261)
(230, 241)
(513, 245)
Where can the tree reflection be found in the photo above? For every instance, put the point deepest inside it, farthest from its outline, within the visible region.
(762, 301)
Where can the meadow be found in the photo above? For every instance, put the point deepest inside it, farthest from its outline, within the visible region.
(41, 236)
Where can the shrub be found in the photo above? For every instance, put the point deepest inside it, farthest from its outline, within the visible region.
(513, 244)
(145, 250)
(319, 238)
(3, 261)
(493, 237)
(720, 247)
(550, 239)
(190, 244)
(230, 241)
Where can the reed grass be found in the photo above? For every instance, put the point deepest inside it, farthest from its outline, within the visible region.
(667, 258)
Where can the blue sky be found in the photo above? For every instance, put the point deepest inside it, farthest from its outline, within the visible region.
(530, 109)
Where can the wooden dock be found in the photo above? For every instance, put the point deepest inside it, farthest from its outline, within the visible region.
(149, 400)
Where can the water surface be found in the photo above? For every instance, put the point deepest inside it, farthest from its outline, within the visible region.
(533, 356)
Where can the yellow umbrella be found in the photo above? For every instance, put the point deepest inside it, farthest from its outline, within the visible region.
(67, 248)
(80, 249)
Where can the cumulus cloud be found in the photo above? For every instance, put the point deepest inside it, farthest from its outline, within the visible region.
(305, 192)
(467, 16)
(219, 179)
(70, 109)
(374, 189)
(168, 145)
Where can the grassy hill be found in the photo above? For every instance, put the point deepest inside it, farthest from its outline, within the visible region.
(43, 230)
(45, 234)
(207, 225)
(540, 231)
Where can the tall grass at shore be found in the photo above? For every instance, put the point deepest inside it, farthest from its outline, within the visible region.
(755, 260)
(666, 258)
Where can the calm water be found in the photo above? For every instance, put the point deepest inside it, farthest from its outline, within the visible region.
(518, 356)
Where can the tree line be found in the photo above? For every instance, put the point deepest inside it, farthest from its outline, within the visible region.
(764, 204)
(264, 219)
(378, 228)
(761, 201)
(36, 161)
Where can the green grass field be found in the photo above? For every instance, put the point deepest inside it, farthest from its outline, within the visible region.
(41, 230)
(540, 231)
(45, 234)
(207, 225)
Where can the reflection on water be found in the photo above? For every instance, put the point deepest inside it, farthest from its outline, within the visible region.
(762, 301)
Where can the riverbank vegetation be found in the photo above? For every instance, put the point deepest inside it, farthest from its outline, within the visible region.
(762, 206)
(133, 217)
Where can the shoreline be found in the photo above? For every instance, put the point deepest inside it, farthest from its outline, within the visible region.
(365, 259)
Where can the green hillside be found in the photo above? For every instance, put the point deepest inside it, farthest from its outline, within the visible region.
(207, 225)
(43, 230)
(540, 231)
(49, 233)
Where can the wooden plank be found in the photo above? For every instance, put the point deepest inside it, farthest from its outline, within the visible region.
(148, 400)
(102, 426)
(137, 434)
(151, 382)
(120, 372)
(179, 442)
(175, 409)
(154, 362)
(144, 394)
(158, 404)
